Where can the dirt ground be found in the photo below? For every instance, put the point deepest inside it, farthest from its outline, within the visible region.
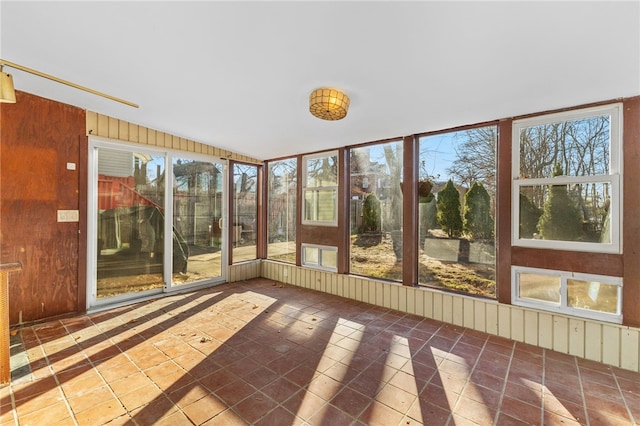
(114, 286)
(373, 255)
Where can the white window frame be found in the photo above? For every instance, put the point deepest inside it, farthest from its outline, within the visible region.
(321, 249)
(306, 188)
(562, 307)
(614, 178)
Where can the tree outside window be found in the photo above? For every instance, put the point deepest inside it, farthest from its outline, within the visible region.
(456, 217)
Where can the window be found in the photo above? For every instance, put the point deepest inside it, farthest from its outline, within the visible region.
(320, 189)
(376, 210)
(245, 211)
(589, 296)
(566, 180)
(281, 210)
(456, 210)
(320, 257)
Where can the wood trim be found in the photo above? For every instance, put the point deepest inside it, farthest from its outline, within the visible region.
(631, 212)
(503, 212)
(261, 234)
(299, 229)
(231, 212)
(343, 238)
(410, 212)
(572, 261)
(83, 177)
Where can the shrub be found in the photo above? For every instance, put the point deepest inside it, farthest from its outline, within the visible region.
(448, 210)
(561, 218)
(478, 222)
(371, 214)
(529, 217)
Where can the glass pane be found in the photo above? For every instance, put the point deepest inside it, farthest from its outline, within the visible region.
(577, 212)
(541, 287)
(456, 208)
(376, 210)
(580, 147)
(321, 171)
(320, 205)
(245, 212)
(311, 255)
(197, 216)
(330, 259)
(130, 237)
(281, 210)
(593, 295)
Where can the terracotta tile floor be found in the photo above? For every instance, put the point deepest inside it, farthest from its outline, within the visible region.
(263, 353)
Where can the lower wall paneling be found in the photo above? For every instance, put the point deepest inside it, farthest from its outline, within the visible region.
(244, 271)
(612, 344)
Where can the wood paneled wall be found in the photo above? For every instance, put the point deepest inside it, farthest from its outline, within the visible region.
(113, 128)
(631, 213)
(39, 141)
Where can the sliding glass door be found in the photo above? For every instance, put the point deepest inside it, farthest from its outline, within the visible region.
(197, 217)
(156, 221)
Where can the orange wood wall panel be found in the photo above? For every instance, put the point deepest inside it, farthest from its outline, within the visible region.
(631, 213)
(38, 137)
(503, 213)
(574, 261)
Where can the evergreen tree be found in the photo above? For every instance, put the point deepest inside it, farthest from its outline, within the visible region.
(448, 210)
(478, 222)
(561, 218)
(371, 214)
(529, 217)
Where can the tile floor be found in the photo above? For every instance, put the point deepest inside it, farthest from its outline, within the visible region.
(265, 353)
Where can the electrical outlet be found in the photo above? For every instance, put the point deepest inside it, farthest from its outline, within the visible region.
(285, 272)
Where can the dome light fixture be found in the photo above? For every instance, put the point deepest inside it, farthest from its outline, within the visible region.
(328, 104)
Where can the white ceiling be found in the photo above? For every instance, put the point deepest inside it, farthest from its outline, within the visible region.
(238, 75)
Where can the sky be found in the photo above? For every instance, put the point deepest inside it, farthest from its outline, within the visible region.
(437, 152)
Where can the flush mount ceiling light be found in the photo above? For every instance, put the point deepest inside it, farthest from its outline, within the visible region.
(8, 94)
(328, 104)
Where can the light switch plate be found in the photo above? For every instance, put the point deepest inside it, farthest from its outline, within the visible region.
(68, 215)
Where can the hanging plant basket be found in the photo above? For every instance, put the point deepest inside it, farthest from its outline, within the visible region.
(424, 188)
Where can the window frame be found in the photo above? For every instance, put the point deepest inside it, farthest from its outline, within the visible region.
(234, 245)
(321, 249)
(268, 201)
(306, 188)
(453, 133)
(562, 307)
(614, 178)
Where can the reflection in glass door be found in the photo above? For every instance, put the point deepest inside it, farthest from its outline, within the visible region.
(156, 222)
(130, 222)
(197, 217)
